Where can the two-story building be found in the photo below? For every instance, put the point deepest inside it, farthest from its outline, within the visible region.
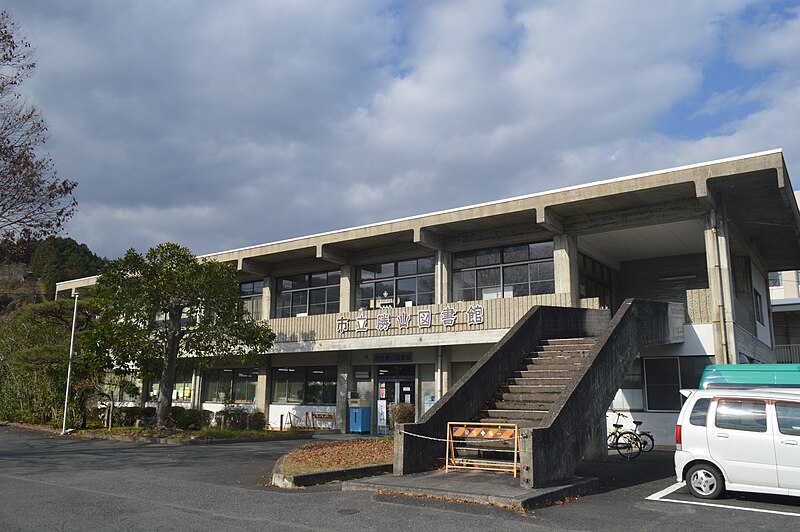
(400, 310)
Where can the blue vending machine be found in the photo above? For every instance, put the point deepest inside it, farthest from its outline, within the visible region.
(360, 416)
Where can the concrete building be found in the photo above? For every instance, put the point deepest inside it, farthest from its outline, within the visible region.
(400, 310)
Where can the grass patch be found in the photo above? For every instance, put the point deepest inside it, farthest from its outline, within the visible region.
(323, 456)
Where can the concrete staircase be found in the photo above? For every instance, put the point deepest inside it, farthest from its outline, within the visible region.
(529, 393)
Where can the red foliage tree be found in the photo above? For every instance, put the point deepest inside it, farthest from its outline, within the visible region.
(34, 202)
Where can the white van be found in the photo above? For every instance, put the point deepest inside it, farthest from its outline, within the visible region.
(739, 440)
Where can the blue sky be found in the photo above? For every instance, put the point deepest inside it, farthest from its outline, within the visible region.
(225, 124)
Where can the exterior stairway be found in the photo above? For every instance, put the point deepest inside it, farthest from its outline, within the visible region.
(529, 393)
(556, 391)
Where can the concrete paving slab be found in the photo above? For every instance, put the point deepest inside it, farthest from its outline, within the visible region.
(483, 487)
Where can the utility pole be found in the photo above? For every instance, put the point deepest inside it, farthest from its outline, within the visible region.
(69, 364)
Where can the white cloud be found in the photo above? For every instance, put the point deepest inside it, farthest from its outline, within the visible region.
(224, 124)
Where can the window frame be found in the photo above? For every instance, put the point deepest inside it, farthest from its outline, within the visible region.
(327, 387)
(370, 276)
(478, 273)
(306, 292)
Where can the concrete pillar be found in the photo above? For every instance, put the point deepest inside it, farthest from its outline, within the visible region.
(718, 262)
(728, 289)
(442, 377)
(347, 288)
(345, 382)
(444, 268)
(565, 266)
(266, 298)
(262, 386)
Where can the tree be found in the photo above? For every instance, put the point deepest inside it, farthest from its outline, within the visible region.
(34, 349)
(34, 202)
(154, 307)
(59, 259)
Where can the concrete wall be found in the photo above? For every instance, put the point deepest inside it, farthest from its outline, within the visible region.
(549, 454)
(664, 279)
(470, 393)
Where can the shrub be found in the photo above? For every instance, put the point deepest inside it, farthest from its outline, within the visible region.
(237, 418)
(401, 413)
(190, 419)
(126, 416)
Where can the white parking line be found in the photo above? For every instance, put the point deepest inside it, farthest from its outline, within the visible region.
(658, 496)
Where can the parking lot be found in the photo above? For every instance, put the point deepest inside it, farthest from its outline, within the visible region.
(48, 482)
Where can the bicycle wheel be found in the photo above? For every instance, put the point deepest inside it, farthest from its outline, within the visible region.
(611, 441)
(629, 445)
(647, 442)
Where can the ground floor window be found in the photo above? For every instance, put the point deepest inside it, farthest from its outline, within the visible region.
(182, 390)
(665, 377)
(313, 385)
(230, 385)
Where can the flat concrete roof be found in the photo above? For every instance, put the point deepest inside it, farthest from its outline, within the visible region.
(755, 190)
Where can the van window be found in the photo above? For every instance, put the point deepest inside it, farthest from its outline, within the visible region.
(788, 418)
(700, 412)
(742, 414)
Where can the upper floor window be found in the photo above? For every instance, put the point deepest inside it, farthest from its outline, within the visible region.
(308, 294)
(402, 283)
(251, 294)
(510, 271)
(775, 279)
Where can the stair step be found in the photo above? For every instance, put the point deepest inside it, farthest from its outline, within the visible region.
(522, 423)
(537, 384)
(521, 405)
(555, 391)
(513, 414)
(588, 340)
(561, 349)
(547, 378)
(537, 401)
(551, 362)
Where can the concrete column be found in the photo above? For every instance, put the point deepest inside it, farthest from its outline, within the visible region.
(565, 265)
(718, 263)
(347, 288)
(442, 377)
(266, 298)
(728, 290)
(444, 269)
(262, 386)
(197, 384)
(345, 382)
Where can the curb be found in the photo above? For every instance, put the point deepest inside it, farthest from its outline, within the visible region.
(196, 441)
(301, 480)
(534, 498)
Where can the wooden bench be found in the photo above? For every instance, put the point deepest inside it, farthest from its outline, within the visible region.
(314, 416)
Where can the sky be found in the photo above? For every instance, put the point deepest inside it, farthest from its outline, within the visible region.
(223, 124)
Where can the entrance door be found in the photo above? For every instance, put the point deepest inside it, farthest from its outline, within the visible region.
(396, 384)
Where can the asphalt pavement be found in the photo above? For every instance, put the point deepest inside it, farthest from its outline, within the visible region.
(48, 482)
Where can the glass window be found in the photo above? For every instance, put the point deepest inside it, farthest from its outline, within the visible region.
(251, 294)
(788, 418)
(321, 385)
(511, 271)
(742, 414)
(700, 412)
(230, 385)
(775, 279)
(663, 383)
(758, 302)
(304, 385)
(402, 283)
(182, 391)
(288, 385)
(594, 280)
(311, 294)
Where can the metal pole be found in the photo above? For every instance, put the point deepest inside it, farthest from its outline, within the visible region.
(69, 364)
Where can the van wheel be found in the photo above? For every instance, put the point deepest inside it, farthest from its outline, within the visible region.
(705, 481)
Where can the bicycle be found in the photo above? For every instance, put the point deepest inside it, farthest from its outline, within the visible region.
(626, 442)
(648, 441)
